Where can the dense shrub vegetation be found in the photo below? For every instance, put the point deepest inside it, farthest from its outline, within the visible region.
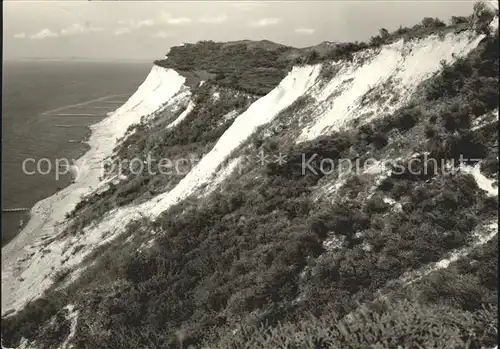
(253, 67)
(261, 264)
(429, 314)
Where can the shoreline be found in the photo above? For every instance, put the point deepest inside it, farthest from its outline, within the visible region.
(83, 142)
(38, 212)
(34, 254)
(47, 216)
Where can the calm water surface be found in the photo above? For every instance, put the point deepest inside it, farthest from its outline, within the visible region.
(32, 93)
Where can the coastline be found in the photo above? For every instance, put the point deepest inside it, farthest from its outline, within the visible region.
(80, 151)
(48, 214)
(27, 215)
(26, 262)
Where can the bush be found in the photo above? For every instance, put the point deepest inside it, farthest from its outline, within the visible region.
(468, 284)
(482, 17)
(56, 332)
(430, 131)
(429, 22)
(386, 185)
(376, 41)
(29, 322)
(380, 140)
(455, 20)
(328, 71)
(490, 166)
(403, 324)
(253, 67)
(384, 33)
(407, 118)
(376, 204)
(257, 252)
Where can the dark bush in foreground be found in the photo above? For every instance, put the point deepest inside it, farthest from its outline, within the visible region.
(30, 322)
(402, 324)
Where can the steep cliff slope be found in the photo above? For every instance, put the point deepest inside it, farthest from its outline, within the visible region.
(336, 202)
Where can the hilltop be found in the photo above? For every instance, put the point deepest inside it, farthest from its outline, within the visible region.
(256, 67)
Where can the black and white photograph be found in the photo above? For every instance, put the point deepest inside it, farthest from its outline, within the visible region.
(250, 174)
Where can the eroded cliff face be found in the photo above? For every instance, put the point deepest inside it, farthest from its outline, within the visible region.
(387, 103)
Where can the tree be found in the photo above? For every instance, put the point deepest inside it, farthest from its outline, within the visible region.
(401, 30)
(455, 20)
(376, 40)
(429, 22)
(384, 33)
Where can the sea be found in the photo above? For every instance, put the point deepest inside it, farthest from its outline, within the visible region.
(47, 107)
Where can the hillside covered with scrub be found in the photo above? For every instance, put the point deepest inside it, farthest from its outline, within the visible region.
(266, 241)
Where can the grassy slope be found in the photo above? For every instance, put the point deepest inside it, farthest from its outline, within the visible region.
(248, 255)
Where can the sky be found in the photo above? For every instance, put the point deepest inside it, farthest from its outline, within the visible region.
(145, 30)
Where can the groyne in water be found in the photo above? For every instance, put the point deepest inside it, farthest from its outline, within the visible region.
(20, 209)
